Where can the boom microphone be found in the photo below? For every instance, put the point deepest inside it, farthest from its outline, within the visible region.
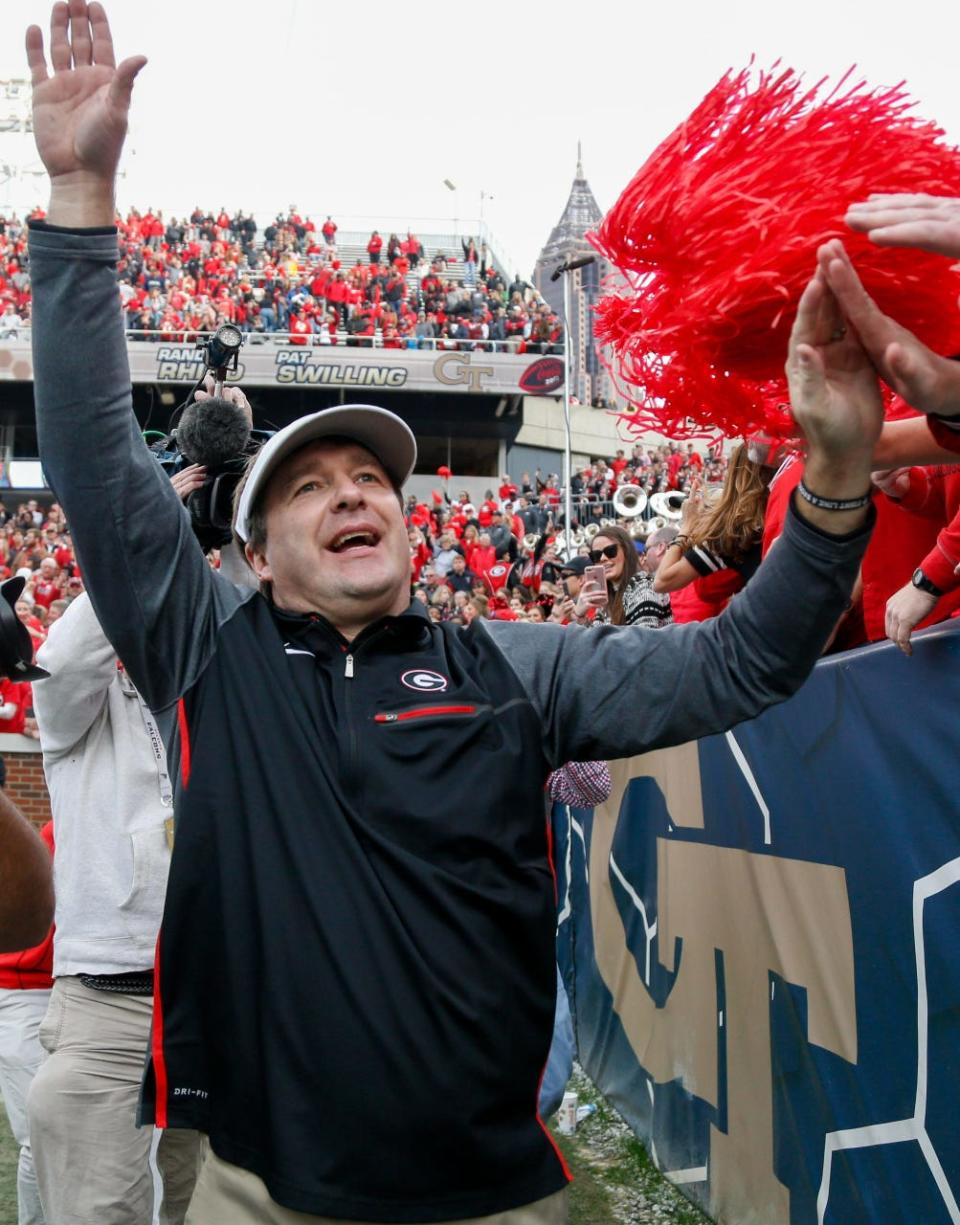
(212, 432)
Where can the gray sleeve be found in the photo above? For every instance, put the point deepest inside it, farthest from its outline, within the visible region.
(611, 691)
(158, 601)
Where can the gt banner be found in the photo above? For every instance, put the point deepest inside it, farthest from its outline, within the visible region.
(265, 361)
(759, 935)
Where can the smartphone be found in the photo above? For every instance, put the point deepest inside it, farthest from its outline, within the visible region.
(597, 574)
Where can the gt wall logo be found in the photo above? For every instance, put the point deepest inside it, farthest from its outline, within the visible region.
(455, 369)
(424, 681)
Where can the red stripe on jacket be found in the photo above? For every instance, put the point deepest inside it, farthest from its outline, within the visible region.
(156, 1046)
(184, 742)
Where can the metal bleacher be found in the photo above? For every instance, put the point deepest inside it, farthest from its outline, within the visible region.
(352, 246)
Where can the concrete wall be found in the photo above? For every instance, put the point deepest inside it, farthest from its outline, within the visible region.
(594, 431)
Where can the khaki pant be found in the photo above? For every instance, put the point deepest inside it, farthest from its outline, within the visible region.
(21, 1013)
(229, 1195)
(92, 1161)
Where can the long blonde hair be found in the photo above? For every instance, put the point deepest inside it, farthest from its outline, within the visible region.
(734, 524)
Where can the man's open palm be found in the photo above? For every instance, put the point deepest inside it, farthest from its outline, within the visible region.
(80, 112)
(834, 394)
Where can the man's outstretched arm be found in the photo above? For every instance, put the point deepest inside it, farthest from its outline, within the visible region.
(615, 692)
(152, 591)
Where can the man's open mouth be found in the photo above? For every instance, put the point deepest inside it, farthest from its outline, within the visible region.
(353, 540)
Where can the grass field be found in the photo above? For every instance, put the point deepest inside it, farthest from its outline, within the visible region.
(8, 1174)
(615, 1182)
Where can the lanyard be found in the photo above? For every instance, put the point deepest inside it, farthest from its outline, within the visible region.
(153, 735)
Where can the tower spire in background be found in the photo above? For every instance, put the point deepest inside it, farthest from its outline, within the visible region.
(581, 214)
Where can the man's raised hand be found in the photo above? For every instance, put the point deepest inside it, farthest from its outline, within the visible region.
(930, 223)
(80, 112)
(925, 380)
(835, 398)
(834, 392)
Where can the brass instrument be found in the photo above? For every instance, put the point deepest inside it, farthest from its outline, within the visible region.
(629, 501)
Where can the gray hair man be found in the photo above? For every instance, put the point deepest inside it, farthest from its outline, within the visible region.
(657, 544)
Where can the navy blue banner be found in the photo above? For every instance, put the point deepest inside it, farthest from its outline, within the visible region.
(758, 935)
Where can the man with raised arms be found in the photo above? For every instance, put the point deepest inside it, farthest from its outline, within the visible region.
(355, 973)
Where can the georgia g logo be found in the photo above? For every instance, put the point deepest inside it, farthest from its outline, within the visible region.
(424, 681)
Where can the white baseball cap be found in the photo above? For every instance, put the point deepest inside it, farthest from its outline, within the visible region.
(383, 433)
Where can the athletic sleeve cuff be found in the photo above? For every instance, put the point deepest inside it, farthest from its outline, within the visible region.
(99, 243)
(71, 229)
(946, 431)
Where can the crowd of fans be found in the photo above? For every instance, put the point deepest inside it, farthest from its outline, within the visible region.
(501, 558)
(35, 544)
(505, 557)
(181, 276)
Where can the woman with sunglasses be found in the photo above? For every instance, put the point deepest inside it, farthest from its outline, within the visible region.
(630, 597)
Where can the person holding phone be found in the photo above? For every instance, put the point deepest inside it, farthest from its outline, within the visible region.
(617, 588)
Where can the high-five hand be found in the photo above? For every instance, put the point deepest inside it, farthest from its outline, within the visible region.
(924, 379)
(80, 112)
(835, 398)
(930, 223)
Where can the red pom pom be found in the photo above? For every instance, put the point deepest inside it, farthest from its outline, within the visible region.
(444, 472)
(716, 237)
(437, 497)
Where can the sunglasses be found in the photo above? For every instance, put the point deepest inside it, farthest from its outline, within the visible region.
(597, 555)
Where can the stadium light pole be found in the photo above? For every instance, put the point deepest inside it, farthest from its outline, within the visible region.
(484, 195)
(453, 187)
(564, 270)
(568, 439)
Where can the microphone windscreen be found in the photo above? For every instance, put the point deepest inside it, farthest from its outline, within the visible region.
(211, 432)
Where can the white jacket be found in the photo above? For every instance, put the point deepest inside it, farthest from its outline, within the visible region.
(104, 778)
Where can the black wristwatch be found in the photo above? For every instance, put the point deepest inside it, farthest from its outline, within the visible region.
(922, 583)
